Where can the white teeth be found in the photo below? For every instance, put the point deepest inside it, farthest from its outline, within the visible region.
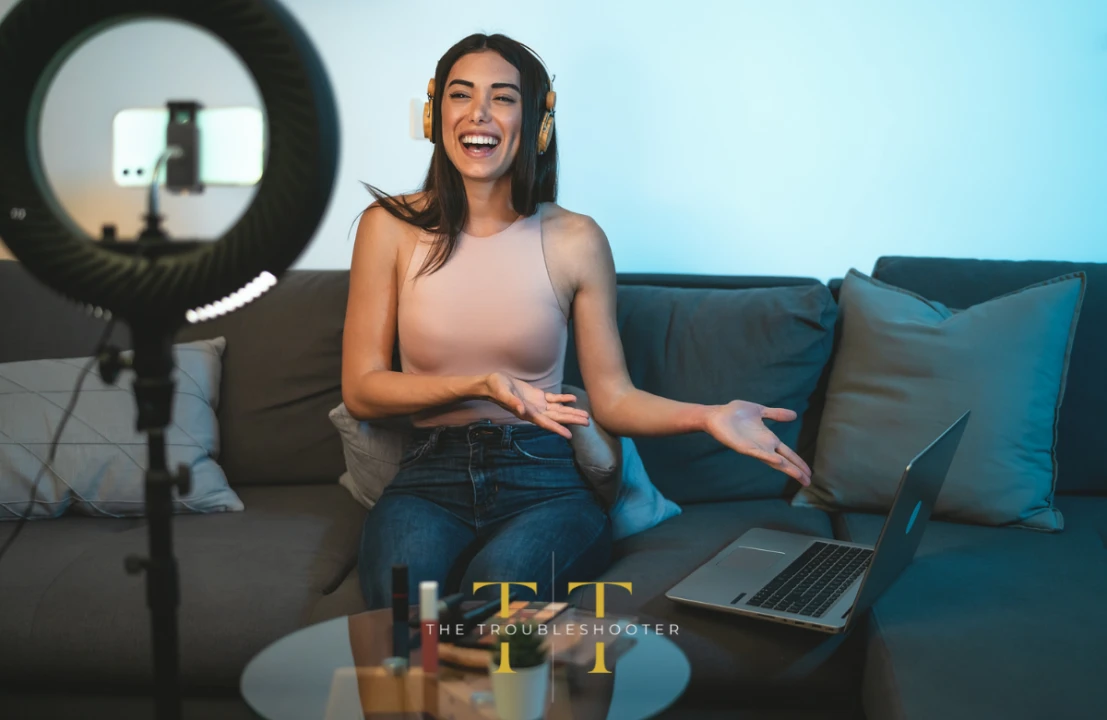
(479, 140)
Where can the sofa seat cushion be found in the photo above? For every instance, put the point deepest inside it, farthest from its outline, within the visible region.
(746, 661)
(69, 613)
(1006, 622)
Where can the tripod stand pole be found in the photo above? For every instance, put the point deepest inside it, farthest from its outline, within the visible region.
(154, 385)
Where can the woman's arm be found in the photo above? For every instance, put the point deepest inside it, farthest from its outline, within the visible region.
(370, 388)
(625, 410)
(617, 405)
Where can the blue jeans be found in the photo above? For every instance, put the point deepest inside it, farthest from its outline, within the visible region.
(481, 503)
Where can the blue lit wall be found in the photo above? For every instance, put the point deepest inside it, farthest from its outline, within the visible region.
(796, 138)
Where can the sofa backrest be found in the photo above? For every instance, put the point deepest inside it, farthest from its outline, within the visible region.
(690, 337)
(37, 323)
(282, 374)
(281, 367)
(1082, 426)
(765, 340)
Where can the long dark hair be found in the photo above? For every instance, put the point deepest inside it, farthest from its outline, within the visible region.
(443, 210)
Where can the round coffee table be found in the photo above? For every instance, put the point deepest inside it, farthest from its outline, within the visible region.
(293, 678)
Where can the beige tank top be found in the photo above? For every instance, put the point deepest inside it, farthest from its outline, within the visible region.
(491, 306)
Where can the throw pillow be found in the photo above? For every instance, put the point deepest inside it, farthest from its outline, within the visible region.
(640, 505)
(372, 451)
(1082, 425)
(596, 451)
(907, 367)
(100, 466)
(614, 467)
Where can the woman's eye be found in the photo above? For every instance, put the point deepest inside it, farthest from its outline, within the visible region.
(458, 95)
(506, 98)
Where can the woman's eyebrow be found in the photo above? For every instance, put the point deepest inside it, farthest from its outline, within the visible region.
(495, 86)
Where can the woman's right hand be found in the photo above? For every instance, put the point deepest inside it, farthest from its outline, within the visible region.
(529, 403)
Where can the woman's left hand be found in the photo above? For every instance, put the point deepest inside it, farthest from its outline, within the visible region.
(740, 426)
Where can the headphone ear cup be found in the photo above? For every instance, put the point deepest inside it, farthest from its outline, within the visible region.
(428, 112)
(545, 133)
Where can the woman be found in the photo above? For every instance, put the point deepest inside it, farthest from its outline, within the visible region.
(478, 275)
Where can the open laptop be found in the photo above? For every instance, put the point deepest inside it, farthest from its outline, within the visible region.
(820, 583)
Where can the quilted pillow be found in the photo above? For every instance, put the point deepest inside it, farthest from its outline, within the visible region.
(100, 465)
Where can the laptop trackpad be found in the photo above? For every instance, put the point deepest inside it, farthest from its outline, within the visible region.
(747, 558)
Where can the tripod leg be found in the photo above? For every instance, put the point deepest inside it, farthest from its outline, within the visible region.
(162, 590)
(154, 385)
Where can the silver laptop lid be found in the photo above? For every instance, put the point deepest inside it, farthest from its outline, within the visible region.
(903, 529)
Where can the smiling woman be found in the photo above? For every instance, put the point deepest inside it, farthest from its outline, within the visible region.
(477, 276)
(476, 124)
(485, 121)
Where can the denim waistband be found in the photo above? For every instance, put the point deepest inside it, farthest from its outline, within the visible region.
(483, 431)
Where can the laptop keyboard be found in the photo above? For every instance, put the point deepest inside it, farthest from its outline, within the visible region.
(814, 581)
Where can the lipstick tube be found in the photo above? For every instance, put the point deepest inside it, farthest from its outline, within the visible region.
(399, 612)
(428, 616)
(447, 610)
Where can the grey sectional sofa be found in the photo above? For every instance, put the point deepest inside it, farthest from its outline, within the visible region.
(987, 622)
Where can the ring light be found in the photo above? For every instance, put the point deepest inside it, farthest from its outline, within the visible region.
(36, 38)
(153, 283)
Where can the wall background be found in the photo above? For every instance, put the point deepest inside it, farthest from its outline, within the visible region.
(792, 137)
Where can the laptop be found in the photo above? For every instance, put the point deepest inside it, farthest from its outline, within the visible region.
(819, 583)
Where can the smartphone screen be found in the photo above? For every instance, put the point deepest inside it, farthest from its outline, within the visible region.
(232, 145)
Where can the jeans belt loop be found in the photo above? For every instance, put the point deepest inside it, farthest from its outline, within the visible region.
(434, 437)
(505, 442)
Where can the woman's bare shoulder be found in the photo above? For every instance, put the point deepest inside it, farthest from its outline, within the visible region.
(562, 220)
(575, 248)
(379, 226)
(571, 232)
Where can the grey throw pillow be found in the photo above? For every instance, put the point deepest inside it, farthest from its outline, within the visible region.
(598, 453)
(372, 452)
(100, 466)
(907, 367)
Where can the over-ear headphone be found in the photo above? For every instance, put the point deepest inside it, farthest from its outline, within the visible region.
(545, 130)
(428, 112)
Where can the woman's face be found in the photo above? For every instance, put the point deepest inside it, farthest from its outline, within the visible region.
(482, 115)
